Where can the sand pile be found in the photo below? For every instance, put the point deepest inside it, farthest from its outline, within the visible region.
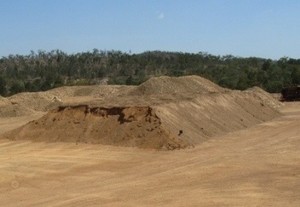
(171, 125)
(24, 104)
(162, 88)
(39, 101)
(177, 85)
(163, 112)
(10, 109)
(127, 126)
(265, 97)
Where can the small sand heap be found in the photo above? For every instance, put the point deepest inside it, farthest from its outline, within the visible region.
(177, 85)
(120, 126)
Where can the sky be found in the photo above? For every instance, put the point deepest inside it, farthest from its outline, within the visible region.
(244, 28)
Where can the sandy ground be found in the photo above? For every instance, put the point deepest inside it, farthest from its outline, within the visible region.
(258, 166)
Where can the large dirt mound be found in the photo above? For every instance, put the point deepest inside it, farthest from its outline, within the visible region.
(160, 90)
(127, 126)
(161, 113)
(176, 85)
(170, 125)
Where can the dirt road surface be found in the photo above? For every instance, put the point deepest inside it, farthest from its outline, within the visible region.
(258, 166)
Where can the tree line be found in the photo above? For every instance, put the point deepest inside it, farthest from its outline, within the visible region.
(40, 71)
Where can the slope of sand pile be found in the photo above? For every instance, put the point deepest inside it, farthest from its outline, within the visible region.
(210, 115)
(161, 113)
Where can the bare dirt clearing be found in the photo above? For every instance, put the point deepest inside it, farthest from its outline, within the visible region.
(258, 166)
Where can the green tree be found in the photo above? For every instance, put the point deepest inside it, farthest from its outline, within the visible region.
(295, 76)
(2, 86)
(129, 80)
(274, 86)
(17, 87)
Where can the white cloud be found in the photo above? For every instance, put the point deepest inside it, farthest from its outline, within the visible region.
(161, 15)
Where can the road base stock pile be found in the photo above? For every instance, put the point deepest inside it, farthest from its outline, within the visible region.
(162, 113)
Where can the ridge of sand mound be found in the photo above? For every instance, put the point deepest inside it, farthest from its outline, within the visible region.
(176, 85)
(93, 91)
(121, 126)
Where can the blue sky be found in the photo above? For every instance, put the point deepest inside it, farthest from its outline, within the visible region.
(261, 28)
